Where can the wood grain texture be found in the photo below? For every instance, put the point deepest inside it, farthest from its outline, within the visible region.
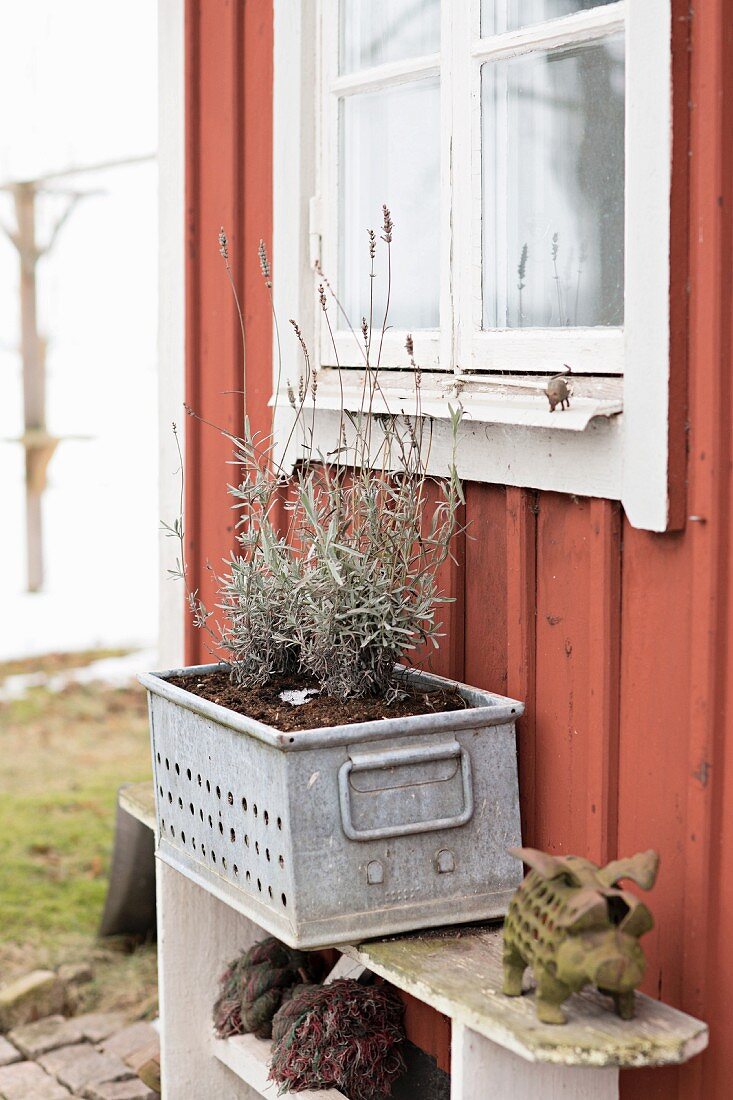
(229, 185)
(562, 683)
(448, 659)
(249, 1059)
(481, 1068)
(172, 92)
(485, 631)
(653, 773)
(604, 688)
(427, 1029)
(711, 402)
(684, 795)
(679, 246)
(460, 975)
(520, 567)
(198, 935)
(138, 800)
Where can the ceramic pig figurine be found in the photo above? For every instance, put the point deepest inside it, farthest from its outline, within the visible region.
(574, 927)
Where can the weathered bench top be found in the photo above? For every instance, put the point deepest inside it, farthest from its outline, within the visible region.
(459, 973)
(138, 799)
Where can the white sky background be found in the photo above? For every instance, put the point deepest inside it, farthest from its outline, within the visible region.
(78, 85)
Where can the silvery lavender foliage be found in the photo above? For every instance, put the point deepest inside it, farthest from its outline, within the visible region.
(350, 586)
(371, 593)
(259, 596)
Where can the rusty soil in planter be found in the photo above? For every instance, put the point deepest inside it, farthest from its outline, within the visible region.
(265, 704)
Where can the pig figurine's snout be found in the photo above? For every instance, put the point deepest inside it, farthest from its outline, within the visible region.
(611, 961)
(619, 973)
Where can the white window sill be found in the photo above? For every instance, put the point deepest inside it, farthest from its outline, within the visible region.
(509, 400)
(507, 435)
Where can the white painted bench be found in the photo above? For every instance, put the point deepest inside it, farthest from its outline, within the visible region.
(500, 1051)
(500, 1048)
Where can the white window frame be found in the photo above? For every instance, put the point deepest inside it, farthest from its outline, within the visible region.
(613, 442)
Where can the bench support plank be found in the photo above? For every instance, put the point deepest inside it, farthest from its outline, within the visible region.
(482, 1069)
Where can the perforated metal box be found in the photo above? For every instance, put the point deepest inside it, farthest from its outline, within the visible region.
(344, 833)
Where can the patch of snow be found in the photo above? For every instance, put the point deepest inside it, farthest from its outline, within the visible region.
(112, 671)
(296, 697)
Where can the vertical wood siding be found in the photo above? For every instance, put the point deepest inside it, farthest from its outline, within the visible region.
(229, 185)
(617, 640)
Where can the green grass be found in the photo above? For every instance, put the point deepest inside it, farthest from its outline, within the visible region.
(50, 663)
(62, 758)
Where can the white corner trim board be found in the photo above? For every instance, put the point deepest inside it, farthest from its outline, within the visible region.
(171, 313)
(647, 310)
(197, 936)
(510, 441)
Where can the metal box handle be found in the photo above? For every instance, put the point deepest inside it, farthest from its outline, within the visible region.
(390, 758)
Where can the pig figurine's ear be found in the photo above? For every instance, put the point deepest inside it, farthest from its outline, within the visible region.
(641, 869)
(547, 866)
(639, 919)
(586, 910)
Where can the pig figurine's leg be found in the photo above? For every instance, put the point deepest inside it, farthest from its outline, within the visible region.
(550, 995)
(624, 1005)
(514, 967)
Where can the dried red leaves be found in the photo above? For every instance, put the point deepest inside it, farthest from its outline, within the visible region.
(343, 1035)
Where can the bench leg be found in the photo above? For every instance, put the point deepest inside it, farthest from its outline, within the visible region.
(197, 936)
(482, 1070)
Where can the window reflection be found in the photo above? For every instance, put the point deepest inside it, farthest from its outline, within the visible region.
(499, 16)
(374, 32)
(390, 152)
(553, 188)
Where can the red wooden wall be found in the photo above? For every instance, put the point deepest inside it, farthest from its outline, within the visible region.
(617, 639)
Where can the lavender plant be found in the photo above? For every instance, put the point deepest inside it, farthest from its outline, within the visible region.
(348, 586)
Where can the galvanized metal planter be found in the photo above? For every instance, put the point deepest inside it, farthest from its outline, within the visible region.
(344, 833)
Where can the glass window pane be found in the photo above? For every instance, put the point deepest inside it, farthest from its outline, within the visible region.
(499, 16)
(376, 31)
(390, 153)
(553, 188)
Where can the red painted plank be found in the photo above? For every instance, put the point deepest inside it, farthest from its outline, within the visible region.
(214, 362)
(255, 152)
(655, 665)
(448, 659)
(563, 734)
(427, 1029)
(711, 402)
(228, 170)
(679, 264)
(521, 599)
(697, 955)
(604, 659)
(486, 588)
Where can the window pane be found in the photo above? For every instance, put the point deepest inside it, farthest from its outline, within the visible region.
(390, 153)
(376, 31)
(553, 188)
(498, 16)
